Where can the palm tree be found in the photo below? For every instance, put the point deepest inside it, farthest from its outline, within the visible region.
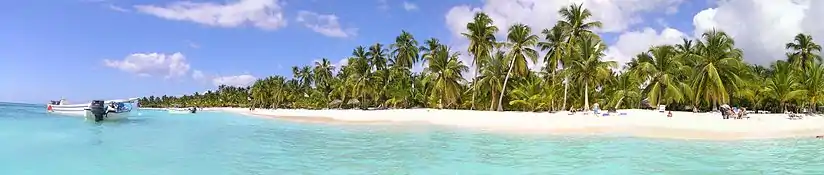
(430, 47)
(520, 42)
(661, 68)
(625, 88)
(406, 55)
(295, 72)
(445, 71)
(481, 42)
(575, 22)
(405, 50)
(323, 74)
(360, 72)
(529, 94)
(812, 85)
(805, 50)
(587, 67)
(377, 56)
(687, 52)
(492, 76)
(306, 77)
(554, 44)
(718, 68)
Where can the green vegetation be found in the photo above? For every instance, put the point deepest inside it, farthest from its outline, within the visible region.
(694, 75)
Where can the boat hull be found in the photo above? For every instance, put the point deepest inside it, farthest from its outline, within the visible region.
(83, 111)
(110, 116)
(179, 112)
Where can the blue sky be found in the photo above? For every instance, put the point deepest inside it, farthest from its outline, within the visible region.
(57, 48)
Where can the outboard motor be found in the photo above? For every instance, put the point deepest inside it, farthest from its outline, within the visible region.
(98, 108)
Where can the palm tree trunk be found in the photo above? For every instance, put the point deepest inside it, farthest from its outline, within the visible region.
(411, 90)
(342, 101)
(503, 89)
(492, 101)
(586, 96)
(475, 86)
(566, 89)
(474, 90)
(619, 102)
(812, 105)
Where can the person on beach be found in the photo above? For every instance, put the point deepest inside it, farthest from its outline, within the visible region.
(742, 113)
(726, 111)
(595, 109)
(669, 114)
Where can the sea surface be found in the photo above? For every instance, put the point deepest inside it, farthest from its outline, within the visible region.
(159, 143)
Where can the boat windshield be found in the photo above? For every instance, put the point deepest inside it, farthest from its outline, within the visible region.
(121, 107)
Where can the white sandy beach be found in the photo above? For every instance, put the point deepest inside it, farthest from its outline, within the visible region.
(638, 123)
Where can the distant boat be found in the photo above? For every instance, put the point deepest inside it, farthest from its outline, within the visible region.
(96, 110)
(191, 110)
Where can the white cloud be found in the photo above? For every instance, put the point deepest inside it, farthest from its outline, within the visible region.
(197, 75)
(152, 64)
(762, 28)
(408, 6)
(117, 8)
(236, 80)
(632, 43)
(263, 14)
(339, 64)
(325, 24)
(343, 62)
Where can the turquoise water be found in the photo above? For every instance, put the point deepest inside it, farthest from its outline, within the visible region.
(33, 142)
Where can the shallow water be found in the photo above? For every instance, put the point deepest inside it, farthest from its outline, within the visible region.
(33, 142)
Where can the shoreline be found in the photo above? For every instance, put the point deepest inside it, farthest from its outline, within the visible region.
(637, 122)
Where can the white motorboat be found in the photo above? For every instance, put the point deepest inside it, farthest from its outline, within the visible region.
(191, 110)
(96, 110)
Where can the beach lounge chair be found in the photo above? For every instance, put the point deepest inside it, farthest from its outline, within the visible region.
(662, 108)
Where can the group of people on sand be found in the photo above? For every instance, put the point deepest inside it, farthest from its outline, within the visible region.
(595, 109)
(735, 113)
